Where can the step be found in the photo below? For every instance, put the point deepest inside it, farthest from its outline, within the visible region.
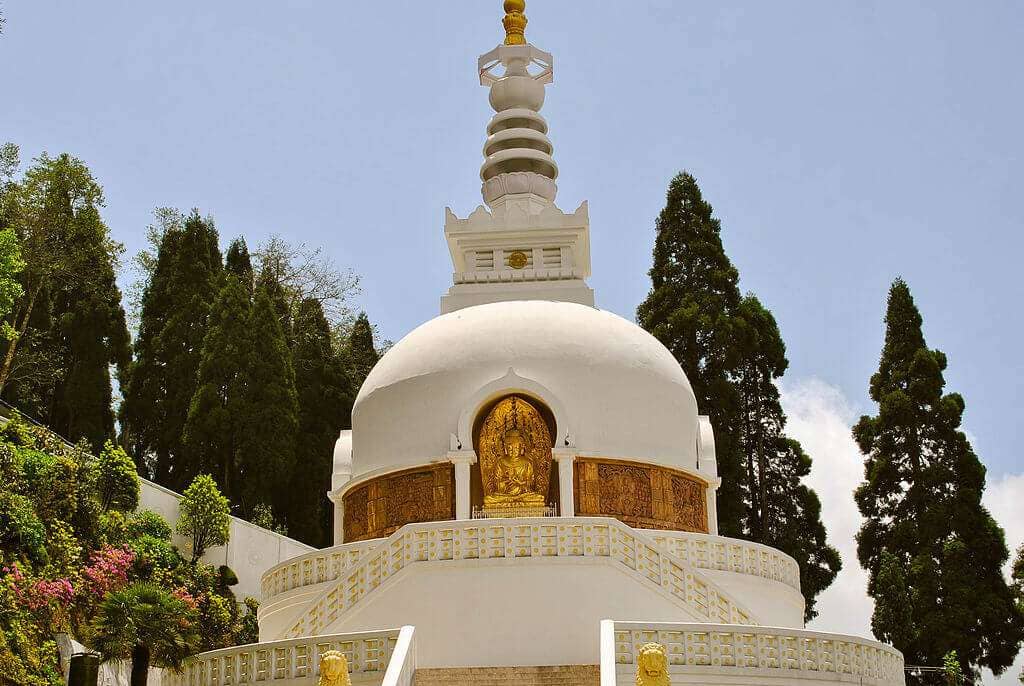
(560, 675)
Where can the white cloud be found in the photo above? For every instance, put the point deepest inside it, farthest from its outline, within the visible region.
(820, 417)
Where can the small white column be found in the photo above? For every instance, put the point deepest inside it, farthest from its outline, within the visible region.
(566, 502)
(462, 460)
(713, 506)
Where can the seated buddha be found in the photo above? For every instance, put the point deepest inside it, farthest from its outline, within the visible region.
(513, 476)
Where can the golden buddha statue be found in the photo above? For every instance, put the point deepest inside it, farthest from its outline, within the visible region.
(514, 476)
(514, 446)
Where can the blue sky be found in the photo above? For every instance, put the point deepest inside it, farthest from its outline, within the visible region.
(841, 143)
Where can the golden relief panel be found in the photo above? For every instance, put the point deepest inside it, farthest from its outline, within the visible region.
(514, 448)
(382, 505)
(643, 496)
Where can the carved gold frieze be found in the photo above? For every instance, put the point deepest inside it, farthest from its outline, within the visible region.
(641, 495)
(514, 447)
(380, 506)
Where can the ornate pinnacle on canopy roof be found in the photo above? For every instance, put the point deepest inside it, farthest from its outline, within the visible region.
(515, 22)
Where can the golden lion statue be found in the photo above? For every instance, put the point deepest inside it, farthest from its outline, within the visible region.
(334, 669)
(652, 666)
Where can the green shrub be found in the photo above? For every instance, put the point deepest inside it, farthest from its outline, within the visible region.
(149, 523)
(21, 530)
(117, 482)
(153, 553)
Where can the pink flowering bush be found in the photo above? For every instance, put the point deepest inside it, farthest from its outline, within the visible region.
(184, 596)
(107, 571)
(57, 593)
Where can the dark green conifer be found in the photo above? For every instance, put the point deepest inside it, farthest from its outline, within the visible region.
(270, 413)
(238, 262)
(694, 293)
(325, 403)
(732, 352)
(925, 528)
(359, 354)
(175, 309)
(217, 410)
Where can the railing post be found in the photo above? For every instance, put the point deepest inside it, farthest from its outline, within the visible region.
(607, 640)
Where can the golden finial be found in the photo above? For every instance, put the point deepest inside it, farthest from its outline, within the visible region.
(515, 22)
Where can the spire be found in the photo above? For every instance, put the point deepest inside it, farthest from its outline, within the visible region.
(523, 247)
(515, 22)
(517, 153)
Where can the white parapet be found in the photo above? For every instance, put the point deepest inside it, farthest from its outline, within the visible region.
(384, 658)
(719, 654)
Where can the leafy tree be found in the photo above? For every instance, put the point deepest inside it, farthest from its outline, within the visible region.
(325, 402)
(117, 483)
(359, 353)
(68, 325)
(164, 376)
(951, 667)
(921, 501)
(11, 266)
(305, 273)
(213, 432)
(270, 421)
(694, 292)
(733, 354)
(149, 626)
(204, 515)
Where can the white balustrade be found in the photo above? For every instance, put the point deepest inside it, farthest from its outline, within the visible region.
(702, 551)
(371, 656)
(729, 555)
(699, 652)
(520, 538)
(312, 568)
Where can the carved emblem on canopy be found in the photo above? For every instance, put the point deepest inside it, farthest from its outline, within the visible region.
(515, 456)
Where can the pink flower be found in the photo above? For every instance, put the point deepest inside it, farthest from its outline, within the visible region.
(43, 593)
(184, 596)
(107, 570)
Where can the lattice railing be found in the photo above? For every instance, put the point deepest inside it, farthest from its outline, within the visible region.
(312, 568)
(702, 551)
(730, 555)
(514, 538)
(369, 654)
(749, 651)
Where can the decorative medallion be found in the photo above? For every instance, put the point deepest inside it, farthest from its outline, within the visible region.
(515, 455)
(518, 260)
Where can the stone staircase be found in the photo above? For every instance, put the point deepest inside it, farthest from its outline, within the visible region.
(563, 675)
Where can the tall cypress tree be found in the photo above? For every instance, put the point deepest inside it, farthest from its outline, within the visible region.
(694, 291)
(92, 332)
(217, 411)
(238, 262)
(270, 419)
(175, 309)
(359, 352)
(780, 510)
(733, 354)
(927, 541)
(325, 400)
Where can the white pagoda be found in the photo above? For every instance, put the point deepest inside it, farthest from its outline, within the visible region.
(528, 490)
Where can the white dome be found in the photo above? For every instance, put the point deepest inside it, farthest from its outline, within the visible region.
(615, 391)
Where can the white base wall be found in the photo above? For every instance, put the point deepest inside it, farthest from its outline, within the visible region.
(472, 613)
(251, 550)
